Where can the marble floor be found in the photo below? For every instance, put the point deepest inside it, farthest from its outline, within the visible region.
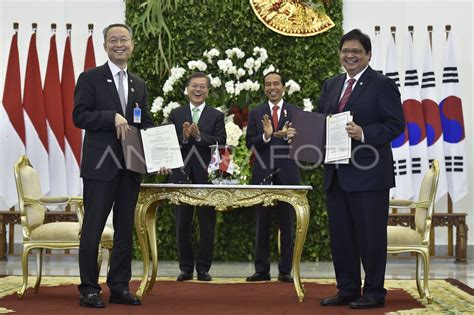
(397, 268)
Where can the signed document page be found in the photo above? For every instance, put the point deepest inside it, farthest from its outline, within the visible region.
(161, 148)
(338, 142)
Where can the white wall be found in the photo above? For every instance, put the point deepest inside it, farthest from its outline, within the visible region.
(365, 14)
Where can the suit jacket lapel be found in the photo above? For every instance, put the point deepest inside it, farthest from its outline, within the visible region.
(109, 81)
(360, 85)
(334, 98)
(203, 117)
(131, 91)
(283, 115)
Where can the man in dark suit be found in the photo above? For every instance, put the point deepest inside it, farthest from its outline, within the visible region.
(198, 126)
(357, 194)
(104, 102)
(267, 139)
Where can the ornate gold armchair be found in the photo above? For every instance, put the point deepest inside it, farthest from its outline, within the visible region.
(39, 235)
(404, 239)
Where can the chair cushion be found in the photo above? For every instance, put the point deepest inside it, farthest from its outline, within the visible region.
(402, 236)
(56, 232)
(64, 232)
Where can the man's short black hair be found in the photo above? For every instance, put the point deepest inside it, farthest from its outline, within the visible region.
(198, 75)
(356, 34)
(282, 78)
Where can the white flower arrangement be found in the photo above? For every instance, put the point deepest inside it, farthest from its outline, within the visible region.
(233, 131)
(235, 81)
(307, 105)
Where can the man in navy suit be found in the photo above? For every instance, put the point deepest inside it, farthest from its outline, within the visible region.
(357, 194)
(198, 126)
(267, 137)
(104, 100)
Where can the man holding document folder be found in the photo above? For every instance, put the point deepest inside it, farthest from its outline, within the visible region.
(108, 99)
(357, 192)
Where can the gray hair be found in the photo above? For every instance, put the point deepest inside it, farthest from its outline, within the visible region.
(125, 26)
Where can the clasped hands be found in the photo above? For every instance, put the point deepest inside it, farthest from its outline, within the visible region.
(286, 132)
(190, 130)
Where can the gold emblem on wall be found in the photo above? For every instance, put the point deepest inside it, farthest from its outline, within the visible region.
(291, 17)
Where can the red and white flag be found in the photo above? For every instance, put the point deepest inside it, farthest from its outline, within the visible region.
(453, 126)
(414, 118)
(400, 146)
(434, 130)
(12, 132)
(226, 165)
(55, 123)
(35, 118)
(73, 143)
(89, 61)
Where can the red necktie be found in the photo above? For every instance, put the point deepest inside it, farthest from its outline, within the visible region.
(346, 95)
(275, 117)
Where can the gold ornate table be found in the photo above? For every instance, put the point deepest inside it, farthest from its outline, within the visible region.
(222, 198)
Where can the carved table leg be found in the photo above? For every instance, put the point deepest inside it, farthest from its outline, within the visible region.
(3, 239)
(461, 242)
(302, 222)
(140, 228)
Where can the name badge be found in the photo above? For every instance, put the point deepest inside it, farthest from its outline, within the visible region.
(137, 114)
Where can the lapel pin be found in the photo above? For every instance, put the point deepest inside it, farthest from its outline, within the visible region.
(284, 113)
(361, 83)
(108, 80)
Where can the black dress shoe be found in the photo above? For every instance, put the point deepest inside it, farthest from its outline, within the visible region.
(91, 300)
(339, 300)
(204, 276)
(367, 302)
(259, 276)
(285, 277)
(184, 276)
(124, 297)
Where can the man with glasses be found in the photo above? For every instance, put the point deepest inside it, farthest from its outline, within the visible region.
(198, 126)
(105, 101)
(357, 193)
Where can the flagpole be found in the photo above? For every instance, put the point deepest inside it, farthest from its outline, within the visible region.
(430, 34)
(392, 31)
(450, 201)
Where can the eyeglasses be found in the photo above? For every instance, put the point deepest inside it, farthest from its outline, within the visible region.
(198, 86)
(354, 51)
(115, 40)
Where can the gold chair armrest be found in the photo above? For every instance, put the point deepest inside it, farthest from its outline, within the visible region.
(401, 203)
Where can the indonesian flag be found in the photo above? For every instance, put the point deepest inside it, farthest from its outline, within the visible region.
(226, 165)
(89, 61)
(215, 160)
(55, 123)
(414, 119)
(73, 143)
(35, 118)
(12, 132)
(400, 146)
(377, 57)
(434, 130)
(453, 126)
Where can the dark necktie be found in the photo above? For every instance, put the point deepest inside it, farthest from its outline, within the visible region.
(121, 92)
(275, 117)
(346, 95)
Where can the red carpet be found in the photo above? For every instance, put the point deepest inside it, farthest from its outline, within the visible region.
(171, 297)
